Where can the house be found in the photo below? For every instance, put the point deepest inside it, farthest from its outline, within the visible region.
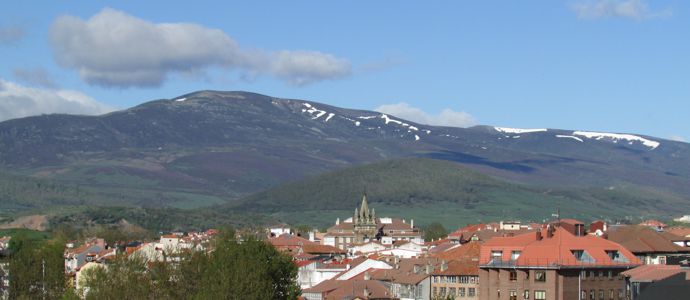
(484, 232)
(75, 258)
(311, 273)
(297, 246)
(654, 224)
(410, 279)
(456, 279)
(649, 245)
(364, 289)
(279, 229)
(657, 282)
(4, 244)
(561, 263)
(364, 227)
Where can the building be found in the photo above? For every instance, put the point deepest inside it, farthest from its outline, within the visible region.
(360, 289)
(364, 227)
(456, 279)
(75, 258)
(654, 224)
(561, 263)
(410, 279)
(649, 245)
(657, 282)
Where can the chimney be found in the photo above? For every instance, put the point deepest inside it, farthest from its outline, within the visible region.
(337, 221)
(549, 231)
(444, 266)
(429, 269)
(539, 237)
(312, 236)
(416, 269)
(411, 223)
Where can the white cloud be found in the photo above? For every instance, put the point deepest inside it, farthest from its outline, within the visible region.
(634, 9)
(678, 138)
(118, 50)
(17, 101)
(447, 117)
(11, 34)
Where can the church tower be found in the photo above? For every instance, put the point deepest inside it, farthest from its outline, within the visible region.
(364, 222)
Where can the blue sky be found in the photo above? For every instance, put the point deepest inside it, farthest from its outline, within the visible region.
(601, 65)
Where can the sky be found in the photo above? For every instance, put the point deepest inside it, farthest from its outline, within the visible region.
(599, 65)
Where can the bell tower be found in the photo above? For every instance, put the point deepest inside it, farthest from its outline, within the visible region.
(364, 222)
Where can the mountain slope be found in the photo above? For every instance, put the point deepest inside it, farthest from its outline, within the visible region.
(210, 148)
(437, 190)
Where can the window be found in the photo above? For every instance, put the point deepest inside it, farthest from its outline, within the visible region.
(620, 293)
(512, 295)
(514, 255)
(582, 256)
(591, 274)
(452, 292)
(471, 292)
(526, 294)
(611, 294)
(540, 276)
(496, 255)
(610, 275)
(662, 260)
(592, 295)
(443, 291)
(539, 295)
(601, 294)
(583, 295)
(461, 292)
(616, 256)
(583, 275)
(435, 291)
(513, 275)
(526, 274)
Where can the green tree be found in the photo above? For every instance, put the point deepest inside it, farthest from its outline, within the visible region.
(37, 269)
(435, 231)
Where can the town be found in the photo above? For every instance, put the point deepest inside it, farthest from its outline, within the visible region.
(370, 257)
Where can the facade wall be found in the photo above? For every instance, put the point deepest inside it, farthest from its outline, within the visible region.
(443, 288)
(496, 284)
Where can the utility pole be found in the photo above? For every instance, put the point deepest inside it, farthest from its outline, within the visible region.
(43, 271)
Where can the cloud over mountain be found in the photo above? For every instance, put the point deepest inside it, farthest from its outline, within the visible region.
(446, 117)
(115, 49)
(17, 101)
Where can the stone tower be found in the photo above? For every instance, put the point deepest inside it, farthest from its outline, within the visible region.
(364, 222)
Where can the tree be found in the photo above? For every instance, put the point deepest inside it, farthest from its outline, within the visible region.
(37, 268)
(250, 269)
(435, 231)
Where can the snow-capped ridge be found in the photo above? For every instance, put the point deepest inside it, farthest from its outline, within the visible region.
(615, 137)
(570, 137)
(519, 130)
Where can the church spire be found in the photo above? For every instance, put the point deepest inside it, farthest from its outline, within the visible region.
(364, 209)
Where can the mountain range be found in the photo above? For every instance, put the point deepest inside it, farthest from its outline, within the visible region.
(240, 152)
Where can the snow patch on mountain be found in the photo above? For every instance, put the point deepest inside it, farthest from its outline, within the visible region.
(313, 111)
(518, 130)
(616, 137)
(180, 100)
(570, 137)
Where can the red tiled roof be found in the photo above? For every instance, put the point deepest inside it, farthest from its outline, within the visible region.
(651, 273)
(555, 251)
(350, 289)
(460, 267)
(642, 239)
(679, 231)
(467, 251)
(653, 223)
